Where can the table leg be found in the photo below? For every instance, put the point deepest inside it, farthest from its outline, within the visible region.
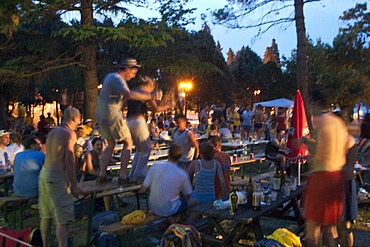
(90, 216)
(297, 212)
(254, 227)
(138, 200)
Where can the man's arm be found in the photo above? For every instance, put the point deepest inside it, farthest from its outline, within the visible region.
(190, 169)
(69, 162)
(143, 189)
(194, 143)
(136, 94)
(221, 178)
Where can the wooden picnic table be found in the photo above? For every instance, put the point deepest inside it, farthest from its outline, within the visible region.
(5, 180)
(94, 190)
(243, 161)
(241, 144)
(246, 219)
(154, 155)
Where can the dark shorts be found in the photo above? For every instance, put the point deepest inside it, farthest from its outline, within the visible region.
(247, 127)
(258, 125)
(271, 156)
(183, 207)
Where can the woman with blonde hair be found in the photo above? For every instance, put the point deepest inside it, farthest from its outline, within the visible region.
(137, 112)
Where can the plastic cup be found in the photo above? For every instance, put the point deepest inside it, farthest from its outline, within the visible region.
(274, 195)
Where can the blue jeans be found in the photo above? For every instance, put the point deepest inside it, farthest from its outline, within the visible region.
(140, 136)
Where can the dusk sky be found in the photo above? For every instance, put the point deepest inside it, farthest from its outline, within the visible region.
(321, 18)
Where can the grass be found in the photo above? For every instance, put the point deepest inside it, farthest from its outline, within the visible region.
(144, 236)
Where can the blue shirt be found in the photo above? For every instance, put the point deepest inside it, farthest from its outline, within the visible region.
(27, 167)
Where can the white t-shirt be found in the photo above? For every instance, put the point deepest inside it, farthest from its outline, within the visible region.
(14, 149)
(80, 141)
(166, 180)
(5, 154)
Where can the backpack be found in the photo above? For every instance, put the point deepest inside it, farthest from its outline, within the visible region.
(29, 236)
(102, 239)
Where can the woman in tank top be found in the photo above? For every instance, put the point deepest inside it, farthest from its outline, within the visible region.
(91, 168)
(204, 170)
(137, 112)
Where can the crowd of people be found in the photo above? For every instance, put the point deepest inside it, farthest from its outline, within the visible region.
(194, 173)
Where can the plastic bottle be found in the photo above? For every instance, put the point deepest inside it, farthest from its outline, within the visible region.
(233, 197)
(245, 152)
(266, 195)
(250, 190)
(277, 181)
(257, 197)
(272, 172)
(283, 179)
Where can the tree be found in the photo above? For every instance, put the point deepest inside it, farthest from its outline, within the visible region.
(86, 32)
(272, 54)
(235, 17)
(244, 67)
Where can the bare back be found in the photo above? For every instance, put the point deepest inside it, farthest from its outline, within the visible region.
(59, 148)
(259, 116)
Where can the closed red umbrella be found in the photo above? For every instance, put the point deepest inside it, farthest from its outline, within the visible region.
(298, 128)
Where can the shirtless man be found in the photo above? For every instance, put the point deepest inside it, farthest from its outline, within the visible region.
(259, 119)
(55, 201)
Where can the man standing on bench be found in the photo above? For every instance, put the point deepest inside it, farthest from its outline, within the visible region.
(110, 118)
(166, 181)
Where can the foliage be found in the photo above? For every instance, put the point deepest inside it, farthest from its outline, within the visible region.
(244, 68)
(337, 73)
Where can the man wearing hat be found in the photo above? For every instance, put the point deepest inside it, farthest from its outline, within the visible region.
(87, 127)
(110, 118)
(4, 151)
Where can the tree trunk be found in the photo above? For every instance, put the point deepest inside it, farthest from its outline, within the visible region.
(302, 65)
(89, 60)
(3, 114)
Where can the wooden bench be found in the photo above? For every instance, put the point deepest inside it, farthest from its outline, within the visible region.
(118, 228)
(243, 182)
(201, 225)
(233, 170)
(15, 202)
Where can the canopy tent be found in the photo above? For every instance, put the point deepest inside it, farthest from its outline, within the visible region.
(277, 103)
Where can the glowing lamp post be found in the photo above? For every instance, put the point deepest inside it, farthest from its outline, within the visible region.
(184, 88)
(256, 94)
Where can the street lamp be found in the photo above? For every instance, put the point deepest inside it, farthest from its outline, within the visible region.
(184, 88)
(256, 94)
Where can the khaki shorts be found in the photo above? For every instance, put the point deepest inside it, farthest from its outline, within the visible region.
(117, 132)
(55, 201)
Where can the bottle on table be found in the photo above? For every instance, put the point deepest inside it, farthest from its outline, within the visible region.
(283, 178)
(245, 153)
(277, 181)
(272, 172)
(233, 198)
(266, 195)
(257, 197)
(250, 191)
